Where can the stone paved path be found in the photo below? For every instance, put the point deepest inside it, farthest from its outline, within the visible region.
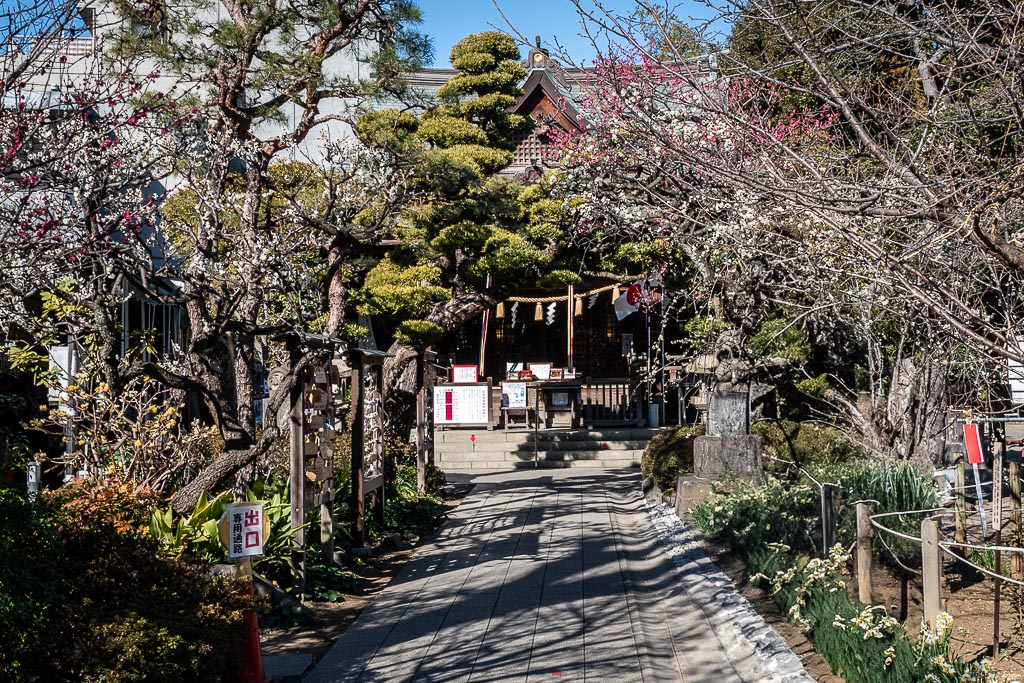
(538, 576)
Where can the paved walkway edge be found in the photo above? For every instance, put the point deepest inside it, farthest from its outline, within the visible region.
(741, 630)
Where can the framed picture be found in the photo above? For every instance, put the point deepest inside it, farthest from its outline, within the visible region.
(512, 375)
(463, 374)
(526, 375)
(559, 399)
(541, 371)
(557, 374)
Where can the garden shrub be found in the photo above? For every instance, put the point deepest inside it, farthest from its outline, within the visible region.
(86, 595)
(745, 518)
(803, 444)
(670, 454)
(33, 628)
(893, 487)
(406, 510)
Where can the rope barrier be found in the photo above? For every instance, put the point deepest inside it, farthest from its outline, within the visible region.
(983, 570)
(972, 546)
(946, 546)
(896, 559)
(555, 299)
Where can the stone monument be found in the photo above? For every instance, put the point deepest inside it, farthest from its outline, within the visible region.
(728, 449)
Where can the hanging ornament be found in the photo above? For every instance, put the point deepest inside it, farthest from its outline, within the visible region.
(593, 301)
(515, 310)
(499, 311)
(552, 307)
(616, 292)
(538, 313)
(579, 306)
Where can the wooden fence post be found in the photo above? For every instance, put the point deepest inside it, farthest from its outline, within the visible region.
(828, 517)
(864, 534)
(421, 425)
(1016, 532)
(297, 467)
(357, 501)
(931, 565)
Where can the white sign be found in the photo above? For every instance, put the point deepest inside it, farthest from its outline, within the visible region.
(541, 371)
(513, 394)
(244, 528)
(462, 374)
(462, 404)
(1016, 374)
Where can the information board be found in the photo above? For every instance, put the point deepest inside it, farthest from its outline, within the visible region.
(462, 404)
(465, 374)
(514, 394)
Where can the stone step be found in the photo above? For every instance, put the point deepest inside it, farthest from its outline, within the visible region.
(492, 466)
(497, 447)
(576, 454)
(474, 459)
(463, 436)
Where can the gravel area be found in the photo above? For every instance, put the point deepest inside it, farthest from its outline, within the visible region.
(740, 628)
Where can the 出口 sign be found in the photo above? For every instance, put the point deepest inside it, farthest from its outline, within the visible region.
(244, 528)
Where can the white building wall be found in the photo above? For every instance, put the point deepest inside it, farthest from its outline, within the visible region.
(73, 65)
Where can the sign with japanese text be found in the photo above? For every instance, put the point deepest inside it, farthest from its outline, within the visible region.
(244, 528)
(513, 394)
(462, 404)
(462, 374)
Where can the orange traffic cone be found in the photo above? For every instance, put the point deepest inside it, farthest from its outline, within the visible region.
(250, 652)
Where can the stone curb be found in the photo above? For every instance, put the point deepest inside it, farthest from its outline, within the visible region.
(741, 630)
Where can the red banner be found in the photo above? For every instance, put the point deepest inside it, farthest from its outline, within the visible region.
(972, 443)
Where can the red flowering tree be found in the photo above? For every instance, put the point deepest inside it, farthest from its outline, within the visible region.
(842, 170)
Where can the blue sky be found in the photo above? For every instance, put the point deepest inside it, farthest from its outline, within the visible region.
(448, 21)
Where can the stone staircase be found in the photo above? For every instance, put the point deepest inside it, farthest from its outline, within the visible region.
(498, 450)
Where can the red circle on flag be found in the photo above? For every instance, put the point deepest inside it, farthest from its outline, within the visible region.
(633, 295)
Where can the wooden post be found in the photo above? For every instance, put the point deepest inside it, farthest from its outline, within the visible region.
(297, 469)
(356, 502)
(421, 439)
(960, 535)
(864, 534)
(997, 525)
(421, 426)
(1016, 532)
(828, 518)
(931, 566)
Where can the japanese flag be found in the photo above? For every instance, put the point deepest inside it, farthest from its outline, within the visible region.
(629, 301)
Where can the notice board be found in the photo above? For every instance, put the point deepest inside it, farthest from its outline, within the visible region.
(466, 404)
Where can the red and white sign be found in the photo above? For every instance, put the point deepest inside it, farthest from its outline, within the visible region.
(462, 404)
(462, 374)
(972, 443)
(244, 528)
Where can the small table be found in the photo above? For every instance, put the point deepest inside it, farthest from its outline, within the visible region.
(522, 408)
